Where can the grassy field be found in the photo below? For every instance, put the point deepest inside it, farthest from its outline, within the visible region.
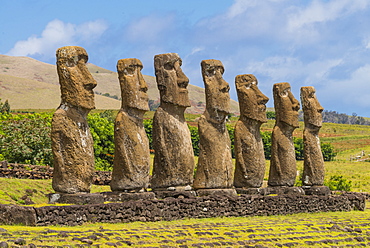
(336, 229)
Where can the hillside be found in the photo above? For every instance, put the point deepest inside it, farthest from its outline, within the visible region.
(23, 81)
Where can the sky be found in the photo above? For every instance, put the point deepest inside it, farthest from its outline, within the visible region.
(320, 43)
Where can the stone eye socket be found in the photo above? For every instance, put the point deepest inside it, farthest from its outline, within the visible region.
(161, 87)
(285, 93)
(211, 72)
(168, 66)
(129, 70)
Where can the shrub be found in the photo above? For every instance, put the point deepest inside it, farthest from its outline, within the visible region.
(194, 139)
(337, 182)
(26, 138)
(102, 131)
(270, 115)
(266, 139)
(298, 146)
(328, 151)
(148, 125)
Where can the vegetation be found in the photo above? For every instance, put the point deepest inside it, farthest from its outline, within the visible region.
(24, 138)
(335, 117)
(339, 183)
(334, 229)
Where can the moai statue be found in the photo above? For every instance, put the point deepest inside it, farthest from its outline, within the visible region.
(131, 155)
(215, 166)
(248, 145)
(283, 169)
(173, 167)
(313, 167)
(72, 143)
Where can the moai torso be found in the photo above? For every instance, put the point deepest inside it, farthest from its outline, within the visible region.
(72, 144)
(174, 156)
(313, 166)
(131, 155)
(215, 167)
(248, 145)
(283, 169)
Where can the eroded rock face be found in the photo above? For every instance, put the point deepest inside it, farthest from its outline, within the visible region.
(174, 156)
(131, 155)
(248, 145)
(313, 166)
(283, 169)
(72, 144)
(215, 167)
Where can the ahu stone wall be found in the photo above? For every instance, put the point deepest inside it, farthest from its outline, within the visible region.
(176, 208)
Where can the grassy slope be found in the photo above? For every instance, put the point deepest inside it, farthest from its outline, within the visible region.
(30, 79)
(26, 94)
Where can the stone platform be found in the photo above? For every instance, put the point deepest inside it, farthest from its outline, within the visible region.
(215, 192)
(99, 198)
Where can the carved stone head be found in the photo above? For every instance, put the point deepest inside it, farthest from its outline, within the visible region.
(286, 106)
(311, 107)
(76, 82)
(252, 102)
(133, 86)
(216, 88)
(171, 80)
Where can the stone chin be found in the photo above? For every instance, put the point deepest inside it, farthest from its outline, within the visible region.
(87, 104)
(182, 100)
(291, 119)
(258, 115)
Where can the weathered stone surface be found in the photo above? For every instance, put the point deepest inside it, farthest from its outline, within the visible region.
(199, 207)
(284, 190)
(313, 166)
(283, 169)
(131, 155)
(126, 196)
(215, 167)
(174, 157)
(72, 143)
(16, 215)
(216, 192)
(252, 191)
(248, 145)
(80, 198)
(161, 194)
(316, 190)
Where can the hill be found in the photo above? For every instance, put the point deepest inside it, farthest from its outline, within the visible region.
(24, 81)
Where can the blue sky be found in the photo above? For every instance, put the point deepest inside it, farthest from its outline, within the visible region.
(320, 43)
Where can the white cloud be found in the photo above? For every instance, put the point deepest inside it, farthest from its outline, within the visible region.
(239, 7)
(351, 94)
(149, 29)
(243, 20)
(57, 34)
(280, 68)
(323, 11)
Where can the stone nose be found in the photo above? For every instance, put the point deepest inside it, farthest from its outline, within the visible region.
(142, 84)
(295, 103)
(182, 78)
(319, 108)
(262, 99)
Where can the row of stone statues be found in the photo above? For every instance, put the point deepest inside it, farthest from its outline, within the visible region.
(174, 165)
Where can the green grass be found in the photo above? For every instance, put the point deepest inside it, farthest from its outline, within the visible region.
(326, 229)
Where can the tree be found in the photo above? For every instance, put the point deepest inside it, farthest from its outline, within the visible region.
(270, 115)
